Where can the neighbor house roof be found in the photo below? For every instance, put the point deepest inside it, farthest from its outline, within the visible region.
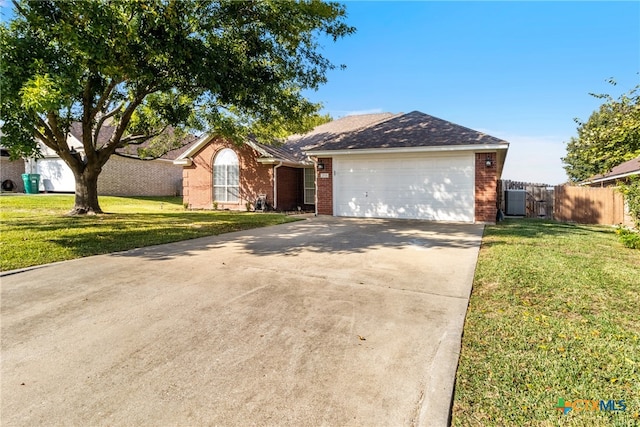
(623, 170)
(131, 150)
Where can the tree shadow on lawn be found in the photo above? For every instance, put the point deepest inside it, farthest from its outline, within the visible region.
(537, 228)
(169, 200)
(105, 233)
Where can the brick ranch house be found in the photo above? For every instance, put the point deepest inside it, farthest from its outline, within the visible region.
(377, 165)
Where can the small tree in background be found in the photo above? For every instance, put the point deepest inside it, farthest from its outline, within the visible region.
(143, 67)
(611, 136)
(631, 191)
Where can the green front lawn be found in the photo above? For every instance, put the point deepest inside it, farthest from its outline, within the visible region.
(554, 314)
(34, 229)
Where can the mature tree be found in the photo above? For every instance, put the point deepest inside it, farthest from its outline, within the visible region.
(611, 136)
(152, 70)
(277, 131)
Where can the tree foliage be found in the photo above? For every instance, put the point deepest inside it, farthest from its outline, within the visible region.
(278, 130)
(143, 67)
(631, 191)
(611, 136)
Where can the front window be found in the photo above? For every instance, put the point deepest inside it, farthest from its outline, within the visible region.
(309, 186)
(226, 176)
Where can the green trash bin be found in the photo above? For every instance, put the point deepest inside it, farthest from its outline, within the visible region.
(35, 183)
(27, 183)
(31, 183)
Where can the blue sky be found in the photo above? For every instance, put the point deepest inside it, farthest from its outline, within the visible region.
(520, 71)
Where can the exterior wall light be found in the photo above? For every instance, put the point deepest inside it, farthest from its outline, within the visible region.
(489, 161)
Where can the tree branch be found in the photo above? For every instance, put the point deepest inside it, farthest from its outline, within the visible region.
(59, 146)
(114, 142)
(53, 122)
(87, 119)
(19, 8)
(101, 121)
(105, 96)
(49, 138)
(42, 138)
(136, 140)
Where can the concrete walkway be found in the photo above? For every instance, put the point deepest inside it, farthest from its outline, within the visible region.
(325, 321)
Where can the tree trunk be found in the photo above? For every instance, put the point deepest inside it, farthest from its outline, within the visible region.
(86, 202)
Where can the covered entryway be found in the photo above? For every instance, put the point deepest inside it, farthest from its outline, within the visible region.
(431, 186)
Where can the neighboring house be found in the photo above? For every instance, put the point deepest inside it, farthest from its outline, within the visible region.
(124, 174)
(620, 173)
(11, 173)
(378, 165)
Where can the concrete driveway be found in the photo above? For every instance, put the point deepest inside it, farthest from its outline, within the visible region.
(325, 321)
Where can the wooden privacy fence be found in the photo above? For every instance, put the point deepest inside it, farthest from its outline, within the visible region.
(589, 205)
(535, 200)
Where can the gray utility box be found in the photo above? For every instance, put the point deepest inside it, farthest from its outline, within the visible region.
(515, 202)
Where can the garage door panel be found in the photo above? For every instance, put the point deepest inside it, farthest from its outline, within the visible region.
(55, 176)
(424, 187)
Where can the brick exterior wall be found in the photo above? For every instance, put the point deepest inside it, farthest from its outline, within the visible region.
(324, 192)
(123, 176)
(12, 170)
(255, 178)
(120, 176)
(486, 188)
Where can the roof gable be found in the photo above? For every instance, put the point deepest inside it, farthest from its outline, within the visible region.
(296, 146)
(413, 129)
(293, 149)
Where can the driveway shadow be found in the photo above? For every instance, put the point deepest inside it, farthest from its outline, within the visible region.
(325, 235)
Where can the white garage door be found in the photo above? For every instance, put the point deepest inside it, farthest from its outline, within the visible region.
(55, 175)
(422, 186)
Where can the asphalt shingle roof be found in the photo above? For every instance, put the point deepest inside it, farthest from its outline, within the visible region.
(295, 146)
(627, 167)
(367, 131)
(413, 129)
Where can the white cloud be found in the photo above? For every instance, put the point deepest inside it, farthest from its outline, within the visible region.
(534, 158)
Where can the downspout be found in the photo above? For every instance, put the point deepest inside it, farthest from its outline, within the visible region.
(275, 185)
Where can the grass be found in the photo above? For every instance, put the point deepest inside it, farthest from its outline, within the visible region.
(554, 313)
(35, 230)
